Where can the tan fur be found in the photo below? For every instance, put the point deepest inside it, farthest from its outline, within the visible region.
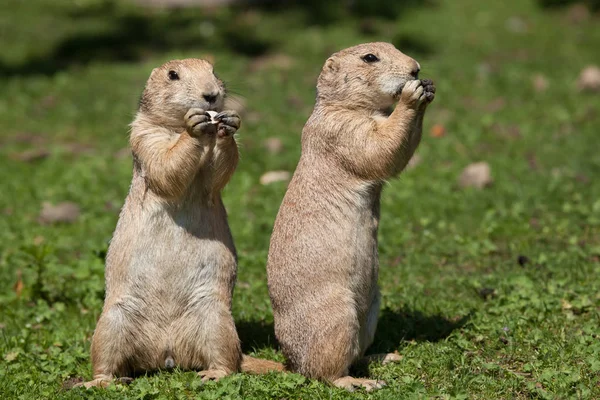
(171, 264)
(257, 366)
(323, 260)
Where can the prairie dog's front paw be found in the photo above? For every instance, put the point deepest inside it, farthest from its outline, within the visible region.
(229, 123)
(428, 90)
(417, 93)
(198, 121)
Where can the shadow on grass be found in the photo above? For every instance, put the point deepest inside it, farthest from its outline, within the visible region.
(397, 326)
(319, 12)
(394, 328)
(134, 33)
(256, 335)
(128, 35)
(594, 5)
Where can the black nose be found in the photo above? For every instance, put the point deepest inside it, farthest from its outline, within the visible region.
(211, 98)
(415, 72)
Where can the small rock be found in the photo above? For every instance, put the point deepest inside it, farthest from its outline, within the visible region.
(67, 212)
(539, 82)
(274, 176)
(273, 145)
(476, 175)
(589, 79)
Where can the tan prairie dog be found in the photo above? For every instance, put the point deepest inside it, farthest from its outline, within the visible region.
(323, 259)
(171, 264)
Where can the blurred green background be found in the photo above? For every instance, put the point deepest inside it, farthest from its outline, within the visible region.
(488, 292)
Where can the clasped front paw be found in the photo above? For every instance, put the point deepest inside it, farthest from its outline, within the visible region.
(198, 122)
(418, 93)
(228, 123)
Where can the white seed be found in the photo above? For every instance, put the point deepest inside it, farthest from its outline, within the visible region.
(213, 114)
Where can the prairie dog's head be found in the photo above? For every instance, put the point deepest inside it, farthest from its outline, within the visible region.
(369, 75)
(178, 85)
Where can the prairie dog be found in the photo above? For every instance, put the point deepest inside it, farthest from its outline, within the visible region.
(323, 259)
(171, 264)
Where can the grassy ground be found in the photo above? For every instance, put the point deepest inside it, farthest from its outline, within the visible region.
(489, 293)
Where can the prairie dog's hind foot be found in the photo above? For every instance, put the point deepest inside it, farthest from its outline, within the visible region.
(351, 384)
(104, 381)
(212, 374)
(383, 358)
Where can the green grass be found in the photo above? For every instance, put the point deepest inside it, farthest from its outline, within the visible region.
(469, 320)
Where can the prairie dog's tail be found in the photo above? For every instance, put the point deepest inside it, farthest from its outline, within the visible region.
(253, 365)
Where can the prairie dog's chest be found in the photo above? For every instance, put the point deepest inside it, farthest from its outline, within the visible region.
(172, 251)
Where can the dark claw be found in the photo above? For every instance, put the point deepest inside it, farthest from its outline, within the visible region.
(426, 82)
(125, 380)
(226, 130)
(231, 121)
(224, 114)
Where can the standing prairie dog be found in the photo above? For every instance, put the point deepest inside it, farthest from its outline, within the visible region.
(323, 260)
(171, 264)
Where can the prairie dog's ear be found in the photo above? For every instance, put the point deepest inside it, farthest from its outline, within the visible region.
(331, 65)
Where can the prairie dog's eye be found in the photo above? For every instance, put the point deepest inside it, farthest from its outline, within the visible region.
(370, 58)
(173, 75)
